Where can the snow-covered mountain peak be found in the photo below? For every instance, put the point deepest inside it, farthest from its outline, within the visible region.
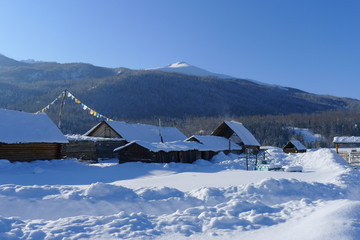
(185, 68)
(178, 65)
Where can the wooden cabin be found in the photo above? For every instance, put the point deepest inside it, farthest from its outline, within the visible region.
(212, 145)
(103, 138)
(294, 146)
(135, 132)
(238, 133)
(92, 148)
(139, 151)
(28, 137)
(188, 151)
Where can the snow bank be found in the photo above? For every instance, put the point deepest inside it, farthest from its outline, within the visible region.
(90, 208)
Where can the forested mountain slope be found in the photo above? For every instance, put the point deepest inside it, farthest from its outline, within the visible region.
(147, 94)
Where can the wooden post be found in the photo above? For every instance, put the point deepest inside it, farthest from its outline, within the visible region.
(247, 159)
(161, 137)
(62, 107)
(337, 147)
(256, 159)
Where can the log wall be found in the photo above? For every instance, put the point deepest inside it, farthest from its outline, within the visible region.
(31, 151)
(92, 150)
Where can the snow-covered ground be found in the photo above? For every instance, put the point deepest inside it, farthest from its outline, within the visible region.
(65, 199)
(308, 135)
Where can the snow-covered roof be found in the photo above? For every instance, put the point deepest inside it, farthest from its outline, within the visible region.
(298, 145)
(144, 132)
(165, 146)
(22, 127)
(215, 143)
(243, 133)
(78, 137)
(216, 146)
(347, 139)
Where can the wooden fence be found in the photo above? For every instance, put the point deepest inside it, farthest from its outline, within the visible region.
(352, 157)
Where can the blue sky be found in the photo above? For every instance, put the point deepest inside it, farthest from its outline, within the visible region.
(313, 45)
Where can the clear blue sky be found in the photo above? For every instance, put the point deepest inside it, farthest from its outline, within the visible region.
(313, 45)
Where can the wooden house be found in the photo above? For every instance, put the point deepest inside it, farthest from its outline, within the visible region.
(135, 132)
(28, 137)
(294, 146)
(212, 145)
(238, 133)
(188, 151)
(101, 140)
(92, 148)
(158, 152)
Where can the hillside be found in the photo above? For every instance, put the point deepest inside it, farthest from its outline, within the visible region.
(147, 94)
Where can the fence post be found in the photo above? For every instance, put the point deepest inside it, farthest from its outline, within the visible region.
(349, 157)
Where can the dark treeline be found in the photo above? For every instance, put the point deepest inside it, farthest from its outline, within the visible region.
(274, 130)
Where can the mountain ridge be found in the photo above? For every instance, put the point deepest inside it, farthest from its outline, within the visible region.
(185, 68)
(122, 93)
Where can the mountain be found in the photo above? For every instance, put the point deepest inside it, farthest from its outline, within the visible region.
(16, 72)
(123, 93)
(8, 62)
(185, 68)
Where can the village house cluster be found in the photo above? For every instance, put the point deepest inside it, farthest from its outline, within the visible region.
(29, 137)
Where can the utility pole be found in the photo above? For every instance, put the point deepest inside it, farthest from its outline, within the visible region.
(62, 107)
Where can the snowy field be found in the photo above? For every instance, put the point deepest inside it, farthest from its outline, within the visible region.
(65, 199)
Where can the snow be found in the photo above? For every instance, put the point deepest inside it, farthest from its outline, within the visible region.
(78, 137)
(143, 132)
(347, 139)
(218, 199)
(308, 135)
(185, 68)
(165, 146)
(208, 143)
(243, 133)
(22, 127)
(293, 169)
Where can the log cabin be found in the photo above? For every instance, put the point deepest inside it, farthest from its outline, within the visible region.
(101, 140)
(294, 146)
(188, 151)
(238, 133)
(135, 132)
(28, 137)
